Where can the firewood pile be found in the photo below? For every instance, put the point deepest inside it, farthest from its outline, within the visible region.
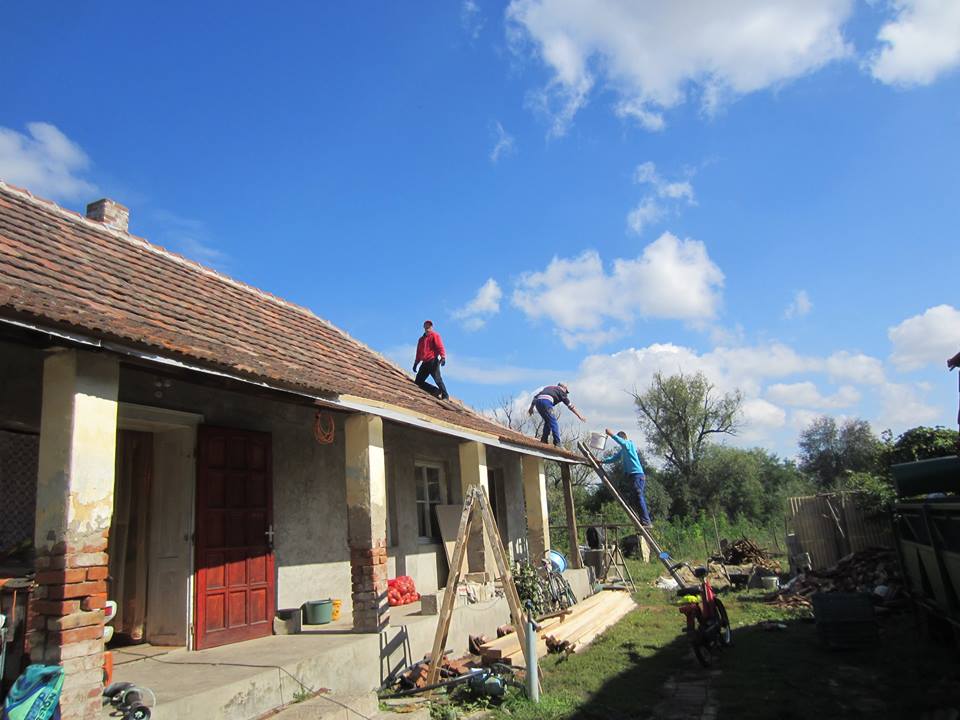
(873, 570)
(416, 675)
(747, 552)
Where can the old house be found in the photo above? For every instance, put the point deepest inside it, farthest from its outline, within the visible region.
(205, 453)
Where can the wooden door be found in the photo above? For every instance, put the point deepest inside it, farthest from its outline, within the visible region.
(235, 586)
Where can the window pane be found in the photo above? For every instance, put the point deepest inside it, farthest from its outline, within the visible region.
(434, 523)
(422, 525)
(421, 490)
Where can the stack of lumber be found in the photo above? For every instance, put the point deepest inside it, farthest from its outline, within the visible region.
(568, 632)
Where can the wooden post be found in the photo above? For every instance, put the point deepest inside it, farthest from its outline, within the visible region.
(575, 560)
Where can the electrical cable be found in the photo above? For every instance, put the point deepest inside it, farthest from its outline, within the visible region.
(324, 429)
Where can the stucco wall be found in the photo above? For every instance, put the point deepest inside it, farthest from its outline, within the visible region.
(309, 492)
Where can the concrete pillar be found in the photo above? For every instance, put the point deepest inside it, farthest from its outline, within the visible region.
(571, 511)
(367, 521)
(473, 471)
(75, 479)
(535, 498)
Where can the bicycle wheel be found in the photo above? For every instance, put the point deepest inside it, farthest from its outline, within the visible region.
(702, 649)
(726, 634)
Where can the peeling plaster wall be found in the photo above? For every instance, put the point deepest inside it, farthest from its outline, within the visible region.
(309, 490)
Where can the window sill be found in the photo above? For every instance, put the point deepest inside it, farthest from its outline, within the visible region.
(424, 541)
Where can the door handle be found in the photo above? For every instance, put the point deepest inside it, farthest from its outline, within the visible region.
(269, 535)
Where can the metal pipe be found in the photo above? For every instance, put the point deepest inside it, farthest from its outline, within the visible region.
(533, 671)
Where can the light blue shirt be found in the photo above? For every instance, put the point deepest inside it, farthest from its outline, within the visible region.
(627, 455)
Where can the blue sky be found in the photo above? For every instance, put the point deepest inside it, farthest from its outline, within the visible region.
(586, 191)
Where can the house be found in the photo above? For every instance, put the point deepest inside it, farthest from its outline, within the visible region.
(204, 453)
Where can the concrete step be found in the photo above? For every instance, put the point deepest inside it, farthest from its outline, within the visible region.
(331, 707)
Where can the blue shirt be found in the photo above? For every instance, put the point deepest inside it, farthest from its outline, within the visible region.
(627, 455)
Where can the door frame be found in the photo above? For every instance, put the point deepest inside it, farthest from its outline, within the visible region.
(147, 418)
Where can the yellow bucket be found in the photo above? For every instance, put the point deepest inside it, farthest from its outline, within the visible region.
(335, 615)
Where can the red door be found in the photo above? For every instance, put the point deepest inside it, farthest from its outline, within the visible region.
(235, 594)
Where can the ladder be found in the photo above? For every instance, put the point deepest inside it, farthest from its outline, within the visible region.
(641, 528)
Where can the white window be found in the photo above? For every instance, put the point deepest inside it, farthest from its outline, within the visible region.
(429, 482)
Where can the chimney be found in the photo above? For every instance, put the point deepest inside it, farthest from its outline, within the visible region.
(110, 213)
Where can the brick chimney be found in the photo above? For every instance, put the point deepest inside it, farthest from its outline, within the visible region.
(110, 213)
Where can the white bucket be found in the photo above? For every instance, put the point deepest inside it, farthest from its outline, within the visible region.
(597, 441)
(771, 583)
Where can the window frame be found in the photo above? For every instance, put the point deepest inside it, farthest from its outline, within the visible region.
(421, 480)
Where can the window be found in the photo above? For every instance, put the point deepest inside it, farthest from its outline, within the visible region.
(498, 501)
(429, 482)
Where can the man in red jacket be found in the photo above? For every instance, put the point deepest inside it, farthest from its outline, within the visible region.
(430, 357)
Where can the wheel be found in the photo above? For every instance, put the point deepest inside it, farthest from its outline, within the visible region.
(726, 634)
(702, 649)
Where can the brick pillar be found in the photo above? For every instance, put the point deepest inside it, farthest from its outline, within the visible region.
(473, 471)
(367, 521)
(535, 499)
(78, 434)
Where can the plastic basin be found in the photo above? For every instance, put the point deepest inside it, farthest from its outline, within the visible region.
(317, 612)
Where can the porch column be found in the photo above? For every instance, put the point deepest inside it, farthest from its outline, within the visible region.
(473, 471)
(78, 441)
(367, 521)
(571, 512)
(535, 498)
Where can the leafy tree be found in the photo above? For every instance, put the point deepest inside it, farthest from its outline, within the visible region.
(829, 451)
(921, 443)
(679, 413)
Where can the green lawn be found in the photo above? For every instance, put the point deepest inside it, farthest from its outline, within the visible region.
(767, 674)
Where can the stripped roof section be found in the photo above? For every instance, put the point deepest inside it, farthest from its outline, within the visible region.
(60, 267)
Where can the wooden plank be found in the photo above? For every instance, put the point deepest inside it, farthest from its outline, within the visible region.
(575, 560)
(450, 595)
(623, 608)
(591, 615)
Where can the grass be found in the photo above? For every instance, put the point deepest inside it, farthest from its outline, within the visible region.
(767, 674)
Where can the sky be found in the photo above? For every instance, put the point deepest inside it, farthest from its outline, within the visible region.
(587, 192)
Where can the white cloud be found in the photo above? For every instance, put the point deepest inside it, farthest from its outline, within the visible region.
(855, 367)
(672, 278)
(919, 44)
(471, 19)
(653, 207)
(926, 339)
(653, 55)
(503, 144)
(46, 162)
(189, 237)
(806, 394)
(799, 306)
(903, 407)
(646, 213)
(484, 305)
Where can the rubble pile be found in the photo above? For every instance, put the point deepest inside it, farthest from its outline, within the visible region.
(416, 675)
(873, 570)
(747, 552)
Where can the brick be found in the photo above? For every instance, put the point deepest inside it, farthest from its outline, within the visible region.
(92, 559)
(55, 607)
(77, 590)
(75, 620)
(54, 653)
(87, 662)
(94, 602)
(74, 635)
(83, 681)
(98, 573)
(61, 577)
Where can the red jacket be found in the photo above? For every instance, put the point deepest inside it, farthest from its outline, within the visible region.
(430, 347)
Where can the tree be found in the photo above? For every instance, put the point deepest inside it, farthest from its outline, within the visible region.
(679, 413)
(921, 443)
(829, 452)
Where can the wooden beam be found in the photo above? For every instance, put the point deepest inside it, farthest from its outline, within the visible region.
(575, 560)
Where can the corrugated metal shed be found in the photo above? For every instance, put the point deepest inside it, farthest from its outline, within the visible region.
(831, 525)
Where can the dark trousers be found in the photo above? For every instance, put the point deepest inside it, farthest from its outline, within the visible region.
(550, 425)
(640, 483)
(431, 368)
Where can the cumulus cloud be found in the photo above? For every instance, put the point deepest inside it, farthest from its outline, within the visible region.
(806, 394)
(925, 339)
(903, 407)
(503, 143)
(799, 306)
(485, 304)
(654, 55)
(920, 43)
(664, 193)
(672, 278)
(46, 162)
(855, 367)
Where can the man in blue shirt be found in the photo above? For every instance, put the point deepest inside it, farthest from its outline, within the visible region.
(630, 460)
(544, 402)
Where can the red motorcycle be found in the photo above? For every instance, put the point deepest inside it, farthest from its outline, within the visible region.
(708, 626)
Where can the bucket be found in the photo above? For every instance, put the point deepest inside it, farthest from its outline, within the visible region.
(771, 582)
(317, 612)
(335, 613)
(597, 441)
(558, 560)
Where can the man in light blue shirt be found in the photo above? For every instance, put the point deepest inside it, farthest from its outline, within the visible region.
(630, 461)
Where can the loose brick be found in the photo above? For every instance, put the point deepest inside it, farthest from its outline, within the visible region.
(61, 577)
(75, 620)
(94, 602)
(56, 653)
(92, 559)
(55, 607)
(65, 637)
(98, 573)
(76, 590)
(80, 664)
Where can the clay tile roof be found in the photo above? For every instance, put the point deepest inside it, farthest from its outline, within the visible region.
(60, 268)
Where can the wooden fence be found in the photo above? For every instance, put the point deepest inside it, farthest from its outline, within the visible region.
(832, 525)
